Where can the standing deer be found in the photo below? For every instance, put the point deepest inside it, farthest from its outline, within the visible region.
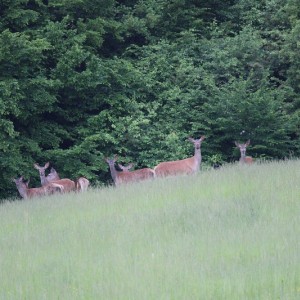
(189, 165)
(244, 159)
(121, 177)
(26, 192)
(80, 185)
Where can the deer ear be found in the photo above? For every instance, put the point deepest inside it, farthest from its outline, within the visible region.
(46, 165)
(36, 166)
(248, 143)
(191, 139)
(130, 165)
(121, 167)
(202, 138)
(236, 143)
(116, 157)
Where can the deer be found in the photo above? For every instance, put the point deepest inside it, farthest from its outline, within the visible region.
(244, 159)
(28, 193)
(53, 177)
(126, 176)
(186, 166)
(81, 184)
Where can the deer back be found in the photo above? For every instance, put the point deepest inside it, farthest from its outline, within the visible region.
(68, 184)
(177, 167)
(27, 192)
(35, 192)
(82, 184)
(142, 174)
(132, 176)
(125, 177)
(48, 189)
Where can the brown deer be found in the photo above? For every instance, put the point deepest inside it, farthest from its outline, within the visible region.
(53, 177)
(244, 159)
(188, 166)
(28, 193)
(80, 185)
(121, 177)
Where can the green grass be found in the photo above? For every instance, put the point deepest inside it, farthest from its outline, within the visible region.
(228, 234)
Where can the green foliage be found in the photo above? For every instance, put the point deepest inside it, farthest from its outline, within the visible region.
(81, 80)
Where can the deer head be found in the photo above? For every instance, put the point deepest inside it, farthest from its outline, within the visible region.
(42, 172)
(243, 148)
(53, 175)
(197, 142)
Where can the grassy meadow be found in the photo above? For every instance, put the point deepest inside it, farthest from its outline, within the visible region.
(232, 233)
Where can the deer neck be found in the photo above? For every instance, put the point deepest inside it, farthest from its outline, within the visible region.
(23, 191)
(113, 173)
(243, 157)
(197, 158)
(44, 180)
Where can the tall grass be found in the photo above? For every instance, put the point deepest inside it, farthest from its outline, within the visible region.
(227, 234)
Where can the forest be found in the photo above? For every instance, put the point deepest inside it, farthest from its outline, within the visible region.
(82, 80)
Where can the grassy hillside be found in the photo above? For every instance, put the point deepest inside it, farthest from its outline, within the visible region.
(226, 234)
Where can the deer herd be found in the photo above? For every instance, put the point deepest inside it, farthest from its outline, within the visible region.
(52, 183)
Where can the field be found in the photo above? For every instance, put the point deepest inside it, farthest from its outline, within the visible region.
(232, 233)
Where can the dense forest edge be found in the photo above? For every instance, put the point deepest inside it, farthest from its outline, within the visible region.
(82, 80)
